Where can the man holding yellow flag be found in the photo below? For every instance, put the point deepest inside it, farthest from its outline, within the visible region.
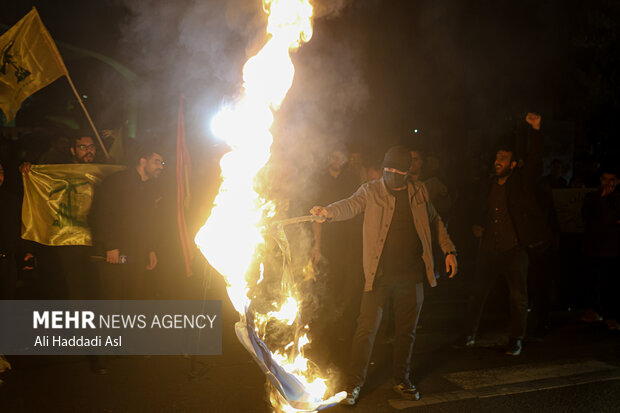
(57, 200)
(29, 61)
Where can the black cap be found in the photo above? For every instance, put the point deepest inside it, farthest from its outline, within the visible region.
(397, 157)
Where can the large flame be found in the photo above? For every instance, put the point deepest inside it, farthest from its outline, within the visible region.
(234, 233)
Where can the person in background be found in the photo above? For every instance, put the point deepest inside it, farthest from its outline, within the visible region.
(436, 189)
(374, 171)
(12, 247)
(509, 223)
(601, 246)
(555, 178)
(338, 247)
(123, 222)
(58, 153)
(69, 271)
(356, 164)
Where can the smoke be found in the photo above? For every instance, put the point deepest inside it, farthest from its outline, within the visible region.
(328, 91)
(193, 47)
(199, 47)
(329, 8)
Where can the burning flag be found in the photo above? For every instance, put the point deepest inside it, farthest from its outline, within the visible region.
(233, 239)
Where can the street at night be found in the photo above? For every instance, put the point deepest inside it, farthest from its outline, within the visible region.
(576, 369)
(296, 206)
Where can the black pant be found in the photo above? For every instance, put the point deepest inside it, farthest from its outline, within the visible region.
(512, 264)
(67, 273)
(541, 274)
(407, 296)
(124, 282)
(8, 275)
(81, 280)
(605, 280)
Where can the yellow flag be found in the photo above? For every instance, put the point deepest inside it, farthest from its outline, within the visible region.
(29, 61)
(116, 151)
(57, 200)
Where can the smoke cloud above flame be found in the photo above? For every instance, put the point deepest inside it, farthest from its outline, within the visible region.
(199, 47)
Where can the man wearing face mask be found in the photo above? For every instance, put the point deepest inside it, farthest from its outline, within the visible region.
(397, 255)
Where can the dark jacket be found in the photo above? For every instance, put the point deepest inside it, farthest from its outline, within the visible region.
(601, 216)
(10, 223)
(521, 190)
(123, 215)
(10, 243)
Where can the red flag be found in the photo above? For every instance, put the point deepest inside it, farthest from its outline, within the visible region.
(183, 194)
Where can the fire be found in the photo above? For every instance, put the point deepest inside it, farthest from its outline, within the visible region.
(288, 311)
(232, 237)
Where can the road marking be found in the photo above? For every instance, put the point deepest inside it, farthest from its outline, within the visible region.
(475, 379)
(584, 372)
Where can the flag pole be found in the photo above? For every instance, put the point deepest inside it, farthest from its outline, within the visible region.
(92, 125)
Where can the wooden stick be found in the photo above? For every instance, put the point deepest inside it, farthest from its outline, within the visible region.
(77, 95)
(297, 220)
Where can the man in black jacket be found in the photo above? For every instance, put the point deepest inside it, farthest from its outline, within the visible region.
(601, 244)
(509, 224)
(122, 219)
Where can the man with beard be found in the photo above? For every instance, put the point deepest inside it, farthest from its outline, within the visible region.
(397, 255)
(68, 271)
(83, 149)
(601, 245)
(123, 223)
(74, 261)
(509, 223)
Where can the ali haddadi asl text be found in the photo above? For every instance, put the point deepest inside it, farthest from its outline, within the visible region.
(77, 341)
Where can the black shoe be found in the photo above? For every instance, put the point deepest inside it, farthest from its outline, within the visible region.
(353, 393)
(407, 390)
(468, 341)
(515, 345)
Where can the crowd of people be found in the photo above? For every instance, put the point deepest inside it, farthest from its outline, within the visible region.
(512, 217)
(122, 218)
(382, 238)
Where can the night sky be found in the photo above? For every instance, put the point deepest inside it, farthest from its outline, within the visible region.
(461, 72)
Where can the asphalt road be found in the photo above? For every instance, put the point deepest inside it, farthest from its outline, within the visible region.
(576, 368)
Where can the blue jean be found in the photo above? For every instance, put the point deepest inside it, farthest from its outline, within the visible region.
(407, 296)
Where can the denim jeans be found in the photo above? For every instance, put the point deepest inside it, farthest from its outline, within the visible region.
(407, 296)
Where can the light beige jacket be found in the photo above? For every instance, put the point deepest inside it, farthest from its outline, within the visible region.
(377, 204)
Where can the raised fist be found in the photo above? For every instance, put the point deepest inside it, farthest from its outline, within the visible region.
(534, 120)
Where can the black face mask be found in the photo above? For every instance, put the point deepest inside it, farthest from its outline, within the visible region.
(394, 180)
